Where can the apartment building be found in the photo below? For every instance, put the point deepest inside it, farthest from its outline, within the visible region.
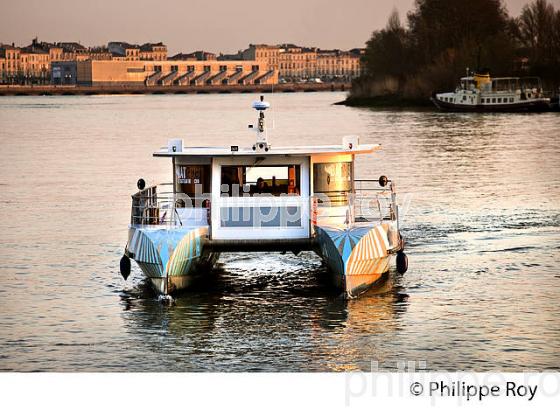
(296, 63)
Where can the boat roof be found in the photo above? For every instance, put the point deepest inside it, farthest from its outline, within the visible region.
(503, 78)
(248, 151)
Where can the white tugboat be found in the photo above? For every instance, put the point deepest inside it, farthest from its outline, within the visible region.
(269, 199)
(481, 93)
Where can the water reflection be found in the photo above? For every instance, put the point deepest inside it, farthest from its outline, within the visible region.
(240, 309)
(482, 233)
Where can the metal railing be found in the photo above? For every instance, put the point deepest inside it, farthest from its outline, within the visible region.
(153, 206)
(373, 201)
(369, 202)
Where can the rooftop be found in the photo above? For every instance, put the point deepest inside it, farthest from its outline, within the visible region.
(195, 55)
(150, 46)
(287, 151)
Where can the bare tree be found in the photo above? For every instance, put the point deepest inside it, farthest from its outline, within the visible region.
(536, 31)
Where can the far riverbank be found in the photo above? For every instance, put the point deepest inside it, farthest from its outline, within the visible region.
(141, 89)
(386, 101)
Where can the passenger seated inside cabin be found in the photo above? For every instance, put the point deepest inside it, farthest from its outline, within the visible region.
(262, 187)
(276, 180)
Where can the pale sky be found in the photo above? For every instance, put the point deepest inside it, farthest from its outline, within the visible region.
(188, 25)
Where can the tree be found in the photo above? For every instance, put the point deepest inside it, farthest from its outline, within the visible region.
(467, 26)
(387, 51)
(538, 34)
(443, 37)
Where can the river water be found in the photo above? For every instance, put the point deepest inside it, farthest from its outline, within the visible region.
(482, 223)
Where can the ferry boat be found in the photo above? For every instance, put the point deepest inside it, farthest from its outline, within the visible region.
(481, 93)
(269, 199)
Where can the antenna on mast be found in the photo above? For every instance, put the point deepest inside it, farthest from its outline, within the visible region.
(262, 141)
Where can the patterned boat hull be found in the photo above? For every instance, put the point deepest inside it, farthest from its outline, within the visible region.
(358, 257)
(171, 258)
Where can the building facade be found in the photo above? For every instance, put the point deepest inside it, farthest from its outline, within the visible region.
(259, 62)
(11, 64)
(64, 73)
(337, 64)
(26, 65)
(296, 63)
(32, 64)
(173, 72)
(153, 52)
(262, 52)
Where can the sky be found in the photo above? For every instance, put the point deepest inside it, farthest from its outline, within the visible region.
(216, 26)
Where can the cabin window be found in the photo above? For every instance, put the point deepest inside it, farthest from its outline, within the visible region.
(464, 98)
(493, 100)
(499, 100)
(192, 181)
(244, 180)
(511, 99)
(332, 181)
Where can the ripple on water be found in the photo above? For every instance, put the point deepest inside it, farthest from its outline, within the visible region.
(483, 244)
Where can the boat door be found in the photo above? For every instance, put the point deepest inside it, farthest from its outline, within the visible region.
(260, 198)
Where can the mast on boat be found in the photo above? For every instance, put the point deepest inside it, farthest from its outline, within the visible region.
(261, 145)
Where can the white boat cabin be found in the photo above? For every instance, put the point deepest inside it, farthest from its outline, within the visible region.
(257, 194)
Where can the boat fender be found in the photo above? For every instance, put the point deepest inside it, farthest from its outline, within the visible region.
(125, 267)
(141, 184)
(402, 262)
(383, 180)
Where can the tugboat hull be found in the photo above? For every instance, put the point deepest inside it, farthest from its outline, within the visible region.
(528, 106)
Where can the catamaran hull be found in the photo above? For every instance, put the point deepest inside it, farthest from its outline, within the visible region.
(358, 258)
(186, 279)
(172, 259)
(529, 106)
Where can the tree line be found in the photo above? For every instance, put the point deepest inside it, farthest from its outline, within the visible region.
(442, 38)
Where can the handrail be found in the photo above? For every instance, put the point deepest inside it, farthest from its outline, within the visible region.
(153, 207)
